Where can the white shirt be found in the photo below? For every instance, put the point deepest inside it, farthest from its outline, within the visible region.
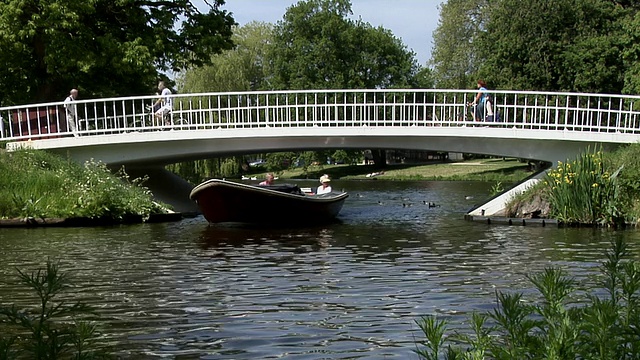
(323, 190)
(72, 111)
(167, 99)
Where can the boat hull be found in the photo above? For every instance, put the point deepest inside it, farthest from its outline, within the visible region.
(225, 201)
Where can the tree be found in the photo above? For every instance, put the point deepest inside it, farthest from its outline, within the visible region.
(553, 45)
(631, 53)
(454, 57)
(317, 47)
(103, 47)
(240, 69)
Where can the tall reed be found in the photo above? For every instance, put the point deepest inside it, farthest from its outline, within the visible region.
(585, 192)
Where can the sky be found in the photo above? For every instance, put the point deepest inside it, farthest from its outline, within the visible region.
(412, 21)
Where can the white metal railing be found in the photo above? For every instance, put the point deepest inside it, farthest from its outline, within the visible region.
(327, 108)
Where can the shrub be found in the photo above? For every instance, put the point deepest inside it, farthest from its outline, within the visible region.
(36, 184)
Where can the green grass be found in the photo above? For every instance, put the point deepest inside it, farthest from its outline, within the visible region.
(509, 170)
(596, 189)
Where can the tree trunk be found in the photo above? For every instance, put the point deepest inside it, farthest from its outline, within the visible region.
(379, 158)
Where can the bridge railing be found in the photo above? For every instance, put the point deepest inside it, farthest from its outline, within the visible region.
(326, 108)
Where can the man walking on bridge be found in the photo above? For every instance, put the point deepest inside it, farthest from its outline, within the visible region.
(72, 111)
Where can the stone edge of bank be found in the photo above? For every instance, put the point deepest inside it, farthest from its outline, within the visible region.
(497, 220)
(87, 222)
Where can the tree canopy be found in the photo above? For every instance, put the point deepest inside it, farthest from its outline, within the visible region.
(102, 47)
(454, 58)
(317, 46)
(552, 45)
(243, 68)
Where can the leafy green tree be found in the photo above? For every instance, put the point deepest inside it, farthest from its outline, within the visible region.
(454, 57)
(553, 45)
(317, 47)
(630, 39)
(240, 69)
(103, 47)
(425, 78)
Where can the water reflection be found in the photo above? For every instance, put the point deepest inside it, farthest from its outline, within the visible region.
(221, 236)
(347, 290)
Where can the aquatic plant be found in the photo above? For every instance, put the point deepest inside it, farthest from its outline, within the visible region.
(52, 329)
(566, 320)
(584, 191)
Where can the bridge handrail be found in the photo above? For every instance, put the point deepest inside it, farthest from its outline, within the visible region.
(328, 107)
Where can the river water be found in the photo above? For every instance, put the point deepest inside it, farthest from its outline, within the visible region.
(349, 290)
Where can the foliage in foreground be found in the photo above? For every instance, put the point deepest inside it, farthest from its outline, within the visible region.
(559, 326)
(52, 329)
(36, 184)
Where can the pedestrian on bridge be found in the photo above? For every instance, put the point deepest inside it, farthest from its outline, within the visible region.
(480, 101)
(164, 104)
(71, 111)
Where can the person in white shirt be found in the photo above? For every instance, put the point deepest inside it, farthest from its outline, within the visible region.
(164, 104)
(72, 111)
(325, 187)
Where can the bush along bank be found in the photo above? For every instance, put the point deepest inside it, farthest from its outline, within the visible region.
(596, 189)
(37, 187)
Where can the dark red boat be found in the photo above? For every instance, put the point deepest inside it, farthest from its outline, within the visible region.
(227, 201)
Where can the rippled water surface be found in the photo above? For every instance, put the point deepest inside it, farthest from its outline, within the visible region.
(348, 290)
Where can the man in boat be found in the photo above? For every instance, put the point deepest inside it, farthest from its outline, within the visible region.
(268, 180)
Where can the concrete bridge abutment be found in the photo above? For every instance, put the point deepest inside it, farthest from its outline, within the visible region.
(166, 187)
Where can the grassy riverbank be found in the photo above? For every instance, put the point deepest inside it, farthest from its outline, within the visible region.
(507, 170)
(38, 185)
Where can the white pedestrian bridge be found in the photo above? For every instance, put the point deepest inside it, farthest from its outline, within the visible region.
(546, 126)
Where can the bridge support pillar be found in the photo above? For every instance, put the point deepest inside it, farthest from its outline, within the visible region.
(166, 187)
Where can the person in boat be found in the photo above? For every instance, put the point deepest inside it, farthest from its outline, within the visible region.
(268, 180)
(325, 187)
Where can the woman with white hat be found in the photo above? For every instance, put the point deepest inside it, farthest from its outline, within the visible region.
(325, 187)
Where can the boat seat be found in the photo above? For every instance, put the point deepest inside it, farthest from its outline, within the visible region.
(285, 188)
